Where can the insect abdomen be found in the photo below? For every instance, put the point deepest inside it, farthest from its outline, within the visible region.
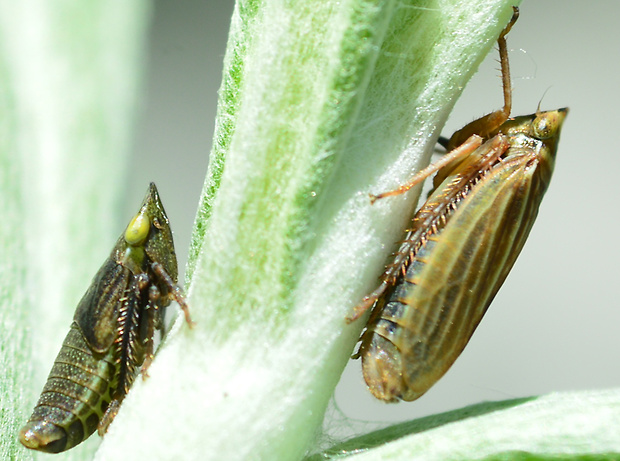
(74, 398)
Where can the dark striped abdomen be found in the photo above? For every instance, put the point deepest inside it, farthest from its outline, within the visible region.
(75, 396)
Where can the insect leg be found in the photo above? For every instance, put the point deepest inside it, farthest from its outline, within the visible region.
(464, 141)
(176, 292)
(487, 125)
(151, 321)
(129, 350)
(460, 152)
(108, 417)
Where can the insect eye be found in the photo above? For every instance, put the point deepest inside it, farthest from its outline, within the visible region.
(544, 126)
(138, 229)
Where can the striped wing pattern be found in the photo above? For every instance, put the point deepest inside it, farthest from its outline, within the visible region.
(454, 269)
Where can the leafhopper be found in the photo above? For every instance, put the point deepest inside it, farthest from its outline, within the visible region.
(461, 245)
(111, 335)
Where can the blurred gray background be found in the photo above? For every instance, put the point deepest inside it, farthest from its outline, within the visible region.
(554, 325)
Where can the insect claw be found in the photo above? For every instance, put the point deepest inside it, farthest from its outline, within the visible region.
(356, 355)
(145, 366)
(184, 307)
(361, 308)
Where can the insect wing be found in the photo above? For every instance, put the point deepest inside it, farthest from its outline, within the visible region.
(97, 312)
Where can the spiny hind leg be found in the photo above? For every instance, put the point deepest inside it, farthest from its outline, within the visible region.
(153, 320)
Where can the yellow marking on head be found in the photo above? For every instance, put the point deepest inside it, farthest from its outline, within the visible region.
(138, 229)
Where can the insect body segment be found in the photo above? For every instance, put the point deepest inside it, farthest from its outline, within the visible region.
(111, 334)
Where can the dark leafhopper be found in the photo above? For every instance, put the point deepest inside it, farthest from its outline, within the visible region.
(461, 246)
(111, 335)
